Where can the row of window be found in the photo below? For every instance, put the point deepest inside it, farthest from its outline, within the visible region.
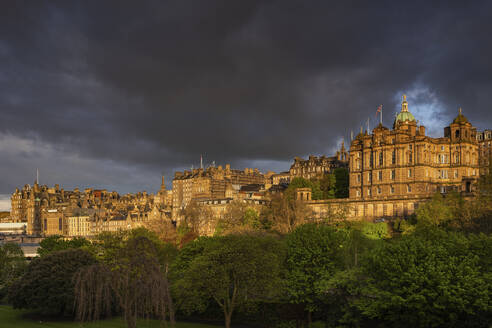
(380, 191)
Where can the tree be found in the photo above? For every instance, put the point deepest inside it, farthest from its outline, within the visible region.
(57, 243)
(47, 284)
(136, 280)
(314, 251)
(197, 218)
(435, 213)
(285, 213)
(12, 265)
(425, 281)
(239, 217)
(234, 271)
(300, 182)
(341, 182)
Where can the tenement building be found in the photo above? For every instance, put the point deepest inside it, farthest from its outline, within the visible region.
(213, 183)
(316, 167)
(485, 149)
(404, 162)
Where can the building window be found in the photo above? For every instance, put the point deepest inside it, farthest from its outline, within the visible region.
(455, 174)
(393, 157)
(370, 160)
(409, 158)
(410, 147)
(393, 174)
(379, 190)
(358, 178)
(392, 189)
(380, 175)
(381, 159)
(409, 173)
(442, 147)
(369, 177)
(358, 193)
(368, 192)
(409, 188)
(457, 158)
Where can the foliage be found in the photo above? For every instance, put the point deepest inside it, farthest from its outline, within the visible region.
(313, 253)
(285, 213)
(430, 280)
(300, 182)
(341, 182)
(47, 283)
(197, 218)
(234, 271)
(239, 217)
(136, 278)
(58, 243)
(12, 265)
(377, 230)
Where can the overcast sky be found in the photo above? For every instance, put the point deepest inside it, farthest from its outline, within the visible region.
(112, 94)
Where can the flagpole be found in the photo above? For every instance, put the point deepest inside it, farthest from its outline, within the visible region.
(381, 114)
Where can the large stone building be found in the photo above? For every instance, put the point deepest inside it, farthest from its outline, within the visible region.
(316, 167)
(405, 162)
(54, 211)
(484, 139)
(213, 183)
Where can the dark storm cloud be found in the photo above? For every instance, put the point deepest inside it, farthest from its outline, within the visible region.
(150, 86)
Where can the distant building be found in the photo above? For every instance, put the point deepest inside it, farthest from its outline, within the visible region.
(210, 184)
(484, 140)
(316, 167)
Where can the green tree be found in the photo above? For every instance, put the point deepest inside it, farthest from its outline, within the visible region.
(425, 281)
(12, 265)
(58, 243)
(300, 182)
(341, 182)
(234, 271)
(314, 252)
(47, 285)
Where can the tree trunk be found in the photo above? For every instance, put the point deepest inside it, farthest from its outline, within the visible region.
(170, 304)
(309, 319)
(227, 319)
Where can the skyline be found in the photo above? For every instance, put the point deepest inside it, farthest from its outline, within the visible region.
(112, 95)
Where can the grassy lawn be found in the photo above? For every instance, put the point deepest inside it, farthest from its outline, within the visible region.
(15, 318)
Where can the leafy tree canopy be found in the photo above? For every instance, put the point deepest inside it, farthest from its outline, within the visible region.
(47, 285)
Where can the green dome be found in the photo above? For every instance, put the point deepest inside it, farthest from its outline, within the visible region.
(460, 119)
(404, 116)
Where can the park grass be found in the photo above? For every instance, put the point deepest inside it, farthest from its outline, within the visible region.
(20, 319)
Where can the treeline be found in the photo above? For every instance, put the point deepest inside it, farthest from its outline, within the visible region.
(344, 275)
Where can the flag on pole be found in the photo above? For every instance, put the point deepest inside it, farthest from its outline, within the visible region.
(380, 111)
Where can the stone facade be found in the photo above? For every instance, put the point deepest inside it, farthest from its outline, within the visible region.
(404, 162)
(484, 140)
(211, 184)
(50, 211)
(316, 167)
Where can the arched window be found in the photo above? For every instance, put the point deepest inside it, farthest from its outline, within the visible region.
(457, 133)
(381, 159)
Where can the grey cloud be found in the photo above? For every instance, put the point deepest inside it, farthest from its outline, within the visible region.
(150, 86)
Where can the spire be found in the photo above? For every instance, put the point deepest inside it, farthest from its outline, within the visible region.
(404, 103)
(163, 183)
(460, 111)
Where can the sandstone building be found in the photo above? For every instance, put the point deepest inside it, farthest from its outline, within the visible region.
(484, 140)
(316, 167)
(213, 183)
(404, 162)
